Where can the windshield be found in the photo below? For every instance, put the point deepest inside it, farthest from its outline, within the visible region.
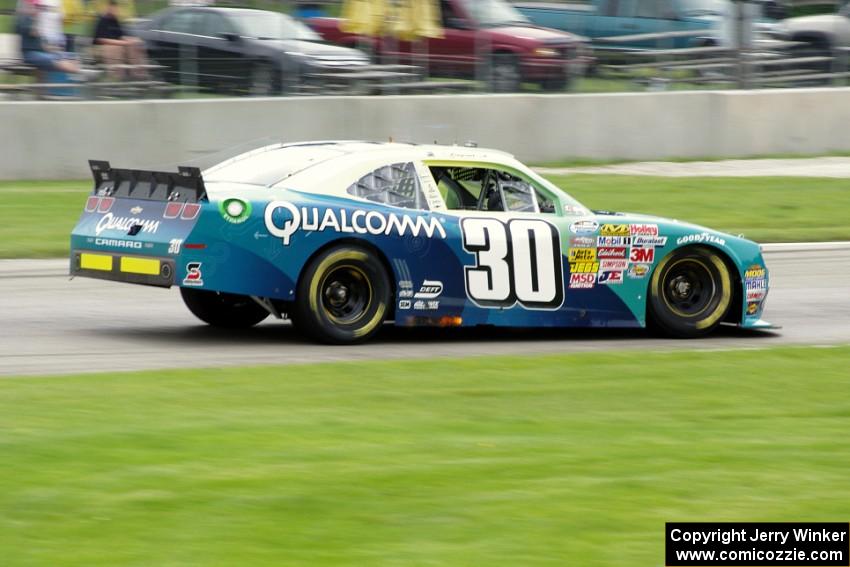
(493, 13)
(702, 7)
(271, 25)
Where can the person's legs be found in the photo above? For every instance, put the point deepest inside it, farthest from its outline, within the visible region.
(136, 56)
(112, 55)
(49, 61)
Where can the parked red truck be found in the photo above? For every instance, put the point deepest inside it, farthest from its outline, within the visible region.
(483, 39)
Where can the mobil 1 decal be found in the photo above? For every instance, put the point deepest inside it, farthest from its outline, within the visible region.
(518, 261)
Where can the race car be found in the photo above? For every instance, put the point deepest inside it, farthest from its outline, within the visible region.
(341, 237)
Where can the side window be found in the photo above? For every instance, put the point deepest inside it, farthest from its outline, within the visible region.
(625, 8)
(182, 22)
(657, 9)
(216, 25)
(608, 8)
(396, 185)
(482, 189)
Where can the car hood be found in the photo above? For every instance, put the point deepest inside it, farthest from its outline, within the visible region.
(534, 33)
(315, 50)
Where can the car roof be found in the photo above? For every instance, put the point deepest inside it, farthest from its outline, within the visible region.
(303, 164)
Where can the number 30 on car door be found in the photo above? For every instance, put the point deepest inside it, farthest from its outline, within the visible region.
(515, 262)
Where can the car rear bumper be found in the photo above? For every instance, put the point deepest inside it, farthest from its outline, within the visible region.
(127, 268)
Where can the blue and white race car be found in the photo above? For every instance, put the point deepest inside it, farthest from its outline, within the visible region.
(341, 237)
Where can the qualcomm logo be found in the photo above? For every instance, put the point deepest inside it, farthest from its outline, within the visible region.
(313, 219)
(124, 224)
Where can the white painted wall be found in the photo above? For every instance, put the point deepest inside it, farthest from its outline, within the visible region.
(54, 140)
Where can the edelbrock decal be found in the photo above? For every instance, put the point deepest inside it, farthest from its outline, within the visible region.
(315, 219)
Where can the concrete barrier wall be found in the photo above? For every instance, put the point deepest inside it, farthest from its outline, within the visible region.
(54, 140)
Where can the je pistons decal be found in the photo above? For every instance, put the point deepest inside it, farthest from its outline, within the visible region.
(283, 219)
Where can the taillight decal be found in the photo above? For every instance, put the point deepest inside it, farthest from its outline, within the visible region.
(91, 204)
(105, 204)
(190, 211)
(172, 210)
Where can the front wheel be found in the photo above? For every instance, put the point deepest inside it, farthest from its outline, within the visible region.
(343, 296)
(225, 310)
(505, 74)
(690, 293)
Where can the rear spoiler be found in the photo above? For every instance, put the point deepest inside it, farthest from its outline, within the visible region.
(185, 186)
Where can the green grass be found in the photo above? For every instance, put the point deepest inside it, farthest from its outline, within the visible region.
(37, 216)
(590, 162)
(766, 209)
(7, 23)
(536, 461)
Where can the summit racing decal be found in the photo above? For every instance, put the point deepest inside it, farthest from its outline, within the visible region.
(111, 222)
(315, 219)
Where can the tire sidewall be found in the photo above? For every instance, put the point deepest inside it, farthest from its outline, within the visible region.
(310, 313)
(662, 315)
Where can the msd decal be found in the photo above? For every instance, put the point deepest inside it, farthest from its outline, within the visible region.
(582, 281)
(283, 219)
(193, 274)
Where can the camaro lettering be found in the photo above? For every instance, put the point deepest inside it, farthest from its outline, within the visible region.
(117, 243)
(310, 219)
(111, 222)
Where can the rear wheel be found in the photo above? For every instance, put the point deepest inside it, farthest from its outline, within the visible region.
(690, 292)
(225, 310)
(505, 74)
(343, 296)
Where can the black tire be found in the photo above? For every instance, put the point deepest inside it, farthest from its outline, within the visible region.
(223, 309)
(556, 85)
(690, 293)
(343, 296)
(505, 73)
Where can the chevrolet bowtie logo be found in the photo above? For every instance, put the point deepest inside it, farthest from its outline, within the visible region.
(136, 210)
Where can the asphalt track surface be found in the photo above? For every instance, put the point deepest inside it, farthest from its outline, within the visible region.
(53, 325)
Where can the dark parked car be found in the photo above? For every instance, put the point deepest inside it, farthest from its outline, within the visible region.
(239, 50)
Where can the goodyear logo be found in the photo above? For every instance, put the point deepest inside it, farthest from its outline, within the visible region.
(614, 230)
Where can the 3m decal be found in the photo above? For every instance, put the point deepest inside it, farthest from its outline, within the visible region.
(614, 230)
(642, 255)
(517, 262)
(193, 274)
(283, 219)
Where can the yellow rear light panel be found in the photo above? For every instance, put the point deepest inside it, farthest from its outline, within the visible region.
(144, 266)
(98, 262)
